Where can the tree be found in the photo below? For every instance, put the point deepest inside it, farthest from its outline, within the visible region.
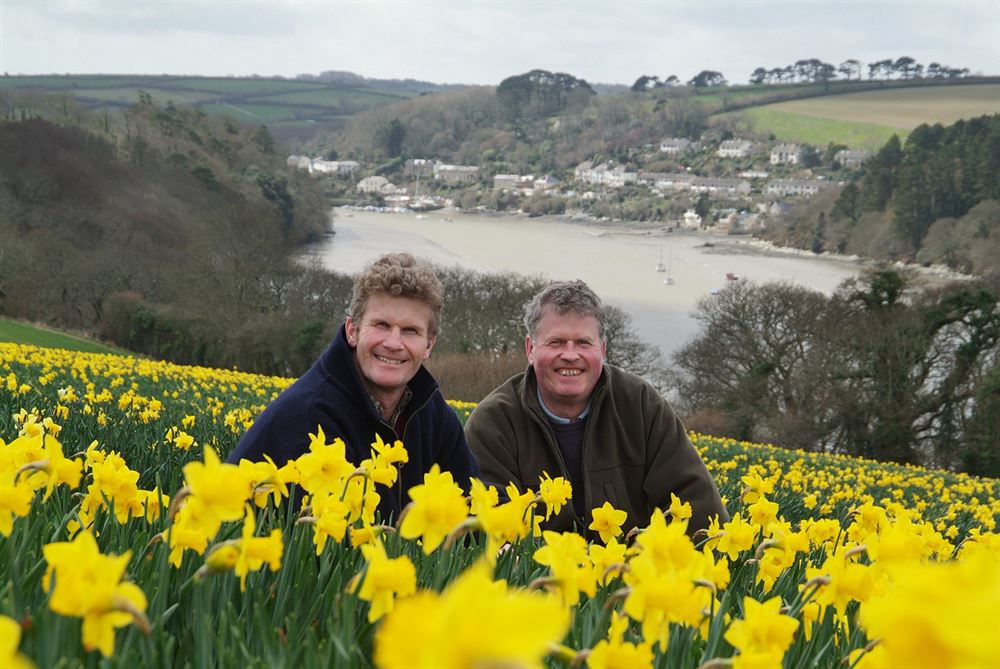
(644, 83)
(707, 78)
(847, 204)
(905, 66)
(540, 93)
(758, 76)
(850, 68)
(263, 139)
(389, 136)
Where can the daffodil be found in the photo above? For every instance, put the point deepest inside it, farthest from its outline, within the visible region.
(385, 579)
(10, 639)
(616, 653)
(763, 634)
(86, 584)
(475, 622)
(439, 506)
(256, 551)
(607, 521)
(324, 466)
(555, 492)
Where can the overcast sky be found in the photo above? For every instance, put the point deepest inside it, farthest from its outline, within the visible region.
(611, 41)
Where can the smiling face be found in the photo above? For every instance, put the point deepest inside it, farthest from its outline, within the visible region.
(566, 353)
(391, 340)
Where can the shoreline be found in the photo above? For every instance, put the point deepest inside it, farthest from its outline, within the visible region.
(716, 243)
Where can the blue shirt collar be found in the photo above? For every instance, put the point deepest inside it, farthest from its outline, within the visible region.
(559, 420)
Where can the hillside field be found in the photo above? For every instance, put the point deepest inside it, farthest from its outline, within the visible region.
(21, 333)
(866, 120)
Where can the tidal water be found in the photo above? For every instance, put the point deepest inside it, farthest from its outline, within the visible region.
(620, 264)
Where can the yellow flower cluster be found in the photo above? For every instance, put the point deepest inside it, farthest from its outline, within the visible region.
(863, 563)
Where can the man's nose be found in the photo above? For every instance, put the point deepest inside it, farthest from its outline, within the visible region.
(395, 338)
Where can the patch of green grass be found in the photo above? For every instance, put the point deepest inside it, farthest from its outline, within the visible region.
(817, 131)
(251, 113)
(22, 333)
(332, 97)
(242, 86)
(129, 95)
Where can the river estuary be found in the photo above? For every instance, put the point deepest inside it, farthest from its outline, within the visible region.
(618, 263)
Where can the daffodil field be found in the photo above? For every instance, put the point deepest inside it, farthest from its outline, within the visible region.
(125, 542)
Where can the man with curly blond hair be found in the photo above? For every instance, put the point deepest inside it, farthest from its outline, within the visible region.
(371, 381)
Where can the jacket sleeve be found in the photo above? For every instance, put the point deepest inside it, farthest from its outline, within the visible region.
(674, 466)
(492, 446)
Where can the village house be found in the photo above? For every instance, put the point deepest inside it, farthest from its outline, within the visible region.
(784, 187)
(720, 186)
(419, 167)
(506, 181)
(456, 174)
(340, 168)
(619, 177)
(379, 185)
(662, 181)
(587, 172)
(673, 146)
(546, 184)
(735, 148)
(754, 174)
(786, 154)
(851, 157)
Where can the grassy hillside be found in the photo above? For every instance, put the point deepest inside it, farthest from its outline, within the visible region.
(868, 119)
(21, 333)
(288, 105)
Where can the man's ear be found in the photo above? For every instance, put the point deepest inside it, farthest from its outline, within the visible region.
(430, 345)
(529, 348)
(352, 332)
(604, 350)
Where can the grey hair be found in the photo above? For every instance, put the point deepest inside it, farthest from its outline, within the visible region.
(563, 297)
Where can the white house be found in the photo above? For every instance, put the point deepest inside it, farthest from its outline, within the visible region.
(786, 154)
(851, 157)
(456, 174)
(379, 184)
(673, 146)
(735, 148)
(784, 187)
(720, 186)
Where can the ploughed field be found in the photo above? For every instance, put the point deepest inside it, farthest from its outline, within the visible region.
(122, 535)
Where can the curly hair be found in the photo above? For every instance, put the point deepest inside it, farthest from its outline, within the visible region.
(563, 297)
(399, 275)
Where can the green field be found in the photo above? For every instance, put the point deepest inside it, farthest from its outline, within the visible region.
(866, 120)
(253, 112)
(791, 127)
(332, 97)
(21, 333)
(129, 95)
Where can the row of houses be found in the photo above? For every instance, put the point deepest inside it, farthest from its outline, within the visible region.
(340, 168)
(526, 184)
(785, 153)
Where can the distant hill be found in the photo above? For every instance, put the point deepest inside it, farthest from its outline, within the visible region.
(292, 108)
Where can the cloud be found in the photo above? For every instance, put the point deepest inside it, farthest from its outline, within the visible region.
(483, 42)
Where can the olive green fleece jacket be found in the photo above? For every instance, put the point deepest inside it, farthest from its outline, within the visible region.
(635, 450)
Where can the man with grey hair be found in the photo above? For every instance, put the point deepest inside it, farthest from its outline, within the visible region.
(371, 382)
(608, 432)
